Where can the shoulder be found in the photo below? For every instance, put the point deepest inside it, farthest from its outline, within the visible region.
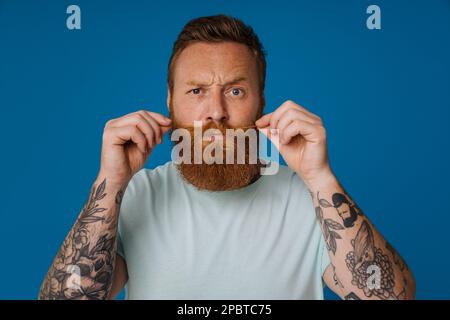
(146, 180)
(141, 192)
(286, 178)
(292, 193)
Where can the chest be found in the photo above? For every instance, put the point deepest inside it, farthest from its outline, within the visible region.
(192, 255)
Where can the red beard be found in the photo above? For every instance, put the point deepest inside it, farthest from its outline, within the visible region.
(220, 176)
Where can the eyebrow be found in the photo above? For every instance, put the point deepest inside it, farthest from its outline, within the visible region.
(204, 84)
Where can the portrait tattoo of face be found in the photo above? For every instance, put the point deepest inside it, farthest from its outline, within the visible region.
(346, 210)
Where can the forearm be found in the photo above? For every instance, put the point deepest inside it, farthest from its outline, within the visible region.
(365, 266)
(84, 266)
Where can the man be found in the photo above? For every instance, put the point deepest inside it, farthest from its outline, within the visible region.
(222, 231)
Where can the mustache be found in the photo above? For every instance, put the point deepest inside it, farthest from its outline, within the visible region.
(212, 125)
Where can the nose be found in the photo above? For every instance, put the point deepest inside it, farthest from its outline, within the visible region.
(216, 109)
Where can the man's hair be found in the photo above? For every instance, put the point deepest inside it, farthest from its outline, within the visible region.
(216, 29)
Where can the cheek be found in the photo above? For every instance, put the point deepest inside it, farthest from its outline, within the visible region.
(240, 117)
(186, 115)
(343, 213)
(248, 111)
(347, 211)
(184, 110)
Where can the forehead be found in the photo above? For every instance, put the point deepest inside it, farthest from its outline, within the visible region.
(225, 59)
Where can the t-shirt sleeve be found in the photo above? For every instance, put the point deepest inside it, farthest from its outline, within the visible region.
(126, 208)
(321, 257)
(120, 250)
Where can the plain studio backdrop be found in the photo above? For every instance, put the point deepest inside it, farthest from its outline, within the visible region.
(384, 97)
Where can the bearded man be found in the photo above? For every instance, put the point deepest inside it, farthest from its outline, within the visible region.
(210, 230)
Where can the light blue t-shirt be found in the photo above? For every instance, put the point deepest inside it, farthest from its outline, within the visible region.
(262, 241)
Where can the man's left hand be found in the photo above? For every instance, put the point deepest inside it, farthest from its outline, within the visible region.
(301, 141)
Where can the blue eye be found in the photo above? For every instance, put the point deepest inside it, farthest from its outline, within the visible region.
(236, 92)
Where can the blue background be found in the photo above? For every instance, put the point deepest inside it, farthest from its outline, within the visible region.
(384, 96)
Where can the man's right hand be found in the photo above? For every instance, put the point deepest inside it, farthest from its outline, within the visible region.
(128, 142)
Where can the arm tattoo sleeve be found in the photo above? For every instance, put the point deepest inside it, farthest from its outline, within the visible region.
(83, 268)
(366, 257)
(329, 226)
(364, 263)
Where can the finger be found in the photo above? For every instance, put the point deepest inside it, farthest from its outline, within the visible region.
(164, 123)
(162, 128)
(264, 121)
(155, 126)
(121, 135)
(139, 120)
(310, 132)
(271, 136)
(277, 114)
(289, 116)
(303, 109)
(287, 107)
(165, 129)
(162, 120)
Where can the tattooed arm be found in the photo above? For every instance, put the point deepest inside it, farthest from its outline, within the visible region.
(363, 264)
(86, 266)
(85, 263)
(359, 254)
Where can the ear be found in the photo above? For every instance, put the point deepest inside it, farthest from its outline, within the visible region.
(263, 103)
(169, 98)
